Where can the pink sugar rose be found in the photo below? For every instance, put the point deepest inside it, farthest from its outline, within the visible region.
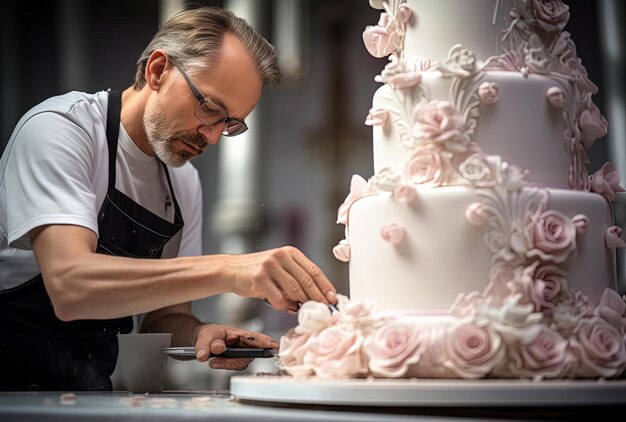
(393, 348)
(489, 92)
(428, 168)
(613, 238)
(393, 233)
(550, 283)
(312, 317)
(336, 352)
(341, 251)
(476, 214)
(600, 349)
(472, 350)
(439, 122)
(362, 314)
(381, 40)
(606, 182)
(359, 309)
(358, 188)
(538, 285)
(293, 348)
(592, 125)
(556, 96)
(550, 15)
(404, 193)
(554, 237)
(376, 117)
(546, 356)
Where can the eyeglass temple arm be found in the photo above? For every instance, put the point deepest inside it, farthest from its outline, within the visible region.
(192, 86)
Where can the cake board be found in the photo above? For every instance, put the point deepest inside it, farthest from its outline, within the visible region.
(428, 392)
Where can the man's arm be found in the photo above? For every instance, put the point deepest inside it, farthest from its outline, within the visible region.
(85, 285)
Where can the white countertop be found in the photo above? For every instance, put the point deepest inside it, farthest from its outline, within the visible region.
(219, 406)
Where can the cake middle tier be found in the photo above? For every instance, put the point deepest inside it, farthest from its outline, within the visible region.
(442, 254)
(517, 121)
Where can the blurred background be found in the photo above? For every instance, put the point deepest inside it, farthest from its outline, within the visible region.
(282, 182)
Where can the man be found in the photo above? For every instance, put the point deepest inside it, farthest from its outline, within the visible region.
(95, 187)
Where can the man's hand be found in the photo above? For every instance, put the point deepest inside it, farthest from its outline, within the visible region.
(214, 338)
(283, 277)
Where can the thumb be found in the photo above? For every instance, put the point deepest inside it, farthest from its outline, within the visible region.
(210, 341)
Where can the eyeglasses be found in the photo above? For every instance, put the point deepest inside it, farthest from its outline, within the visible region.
(210, 113)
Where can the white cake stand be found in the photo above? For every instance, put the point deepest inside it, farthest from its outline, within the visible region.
(427, 393)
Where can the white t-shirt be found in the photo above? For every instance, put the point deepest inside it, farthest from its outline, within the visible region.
(54, 170)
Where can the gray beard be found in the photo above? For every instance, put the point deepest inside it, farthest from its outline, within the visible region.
(163, 149)
(162, 145)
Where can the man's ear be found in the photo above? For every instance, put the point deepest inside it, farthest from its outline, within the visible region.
(156, 67)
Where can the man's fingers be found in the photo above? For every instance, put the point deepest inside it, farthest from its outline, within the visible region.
(320, 287)
(232, 364)
(276, 297)
(214, 339)
(253, 339)
(298, 279)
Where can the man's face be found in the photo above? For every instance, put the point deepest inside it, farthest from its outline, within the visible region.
(172, 147)
(172, 129)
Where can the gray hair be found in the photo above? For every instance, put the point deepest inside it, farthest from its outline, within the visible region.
(194, 38)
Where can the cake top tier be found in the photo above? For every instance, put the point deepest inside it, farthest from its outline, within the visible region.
(526, 36)
(435, 26)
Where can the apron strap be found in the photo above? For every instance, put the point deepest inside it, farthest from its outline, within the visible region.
(114, 109)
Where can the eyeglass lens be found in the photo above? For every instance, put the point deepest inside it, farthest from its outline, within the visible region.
(212, 115)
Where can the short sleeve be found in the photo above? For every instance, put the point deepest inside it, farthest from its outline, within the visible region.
(48, 177)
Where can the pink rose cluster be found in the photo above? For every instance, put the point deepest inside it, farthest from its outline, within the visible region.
(438, 124)
(541, 16)
(483, 340)
(538, 43)
(548, 330)
(547, 235)
(355, 342)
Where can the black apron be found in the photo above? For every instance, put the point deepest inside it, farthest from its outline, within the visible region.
(40, 352)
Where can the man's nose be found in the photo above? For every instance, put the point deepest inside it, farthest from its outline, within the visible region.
(212, 133)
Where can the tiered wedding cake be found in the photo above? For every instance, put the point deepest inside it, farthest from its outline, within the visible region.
(481, 247)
